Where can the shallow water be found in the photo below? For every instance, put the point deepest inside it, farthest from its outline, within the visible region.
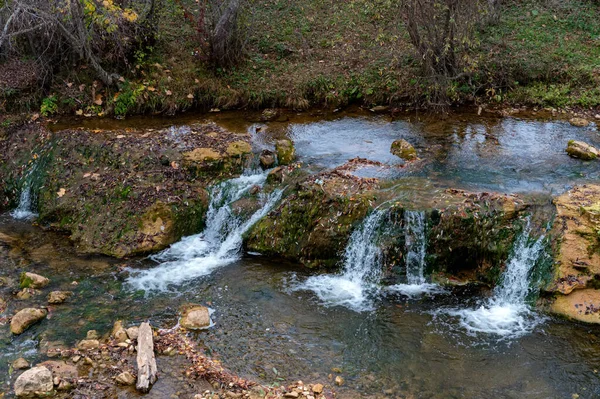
(403, 345)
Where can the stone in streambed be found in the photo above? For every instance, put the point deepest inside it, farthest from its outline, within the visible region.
(133, 332)
(57, 297)
(286, 153)
(88, 344)
(26, 318)
(403, 149)
(195, 317)
(34, 382)
(267, 159)
(581, 150)
(118, 332)
(20, 364)
(579, 122)
(125, 378)
(32, 280)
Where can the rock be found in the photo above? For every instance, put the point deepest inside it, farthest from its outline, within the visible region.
(64, 386)
(118, 332)
(291, 394)
(60, 369)
(32, 280)
(3, 305)
(276, 175)
(133, 332)
(125, 378)
(238, 148)
(146, 363)
(579, 122)
(380, 109)
(202, 155)
(581, 150)
(403, 149)
(597, 116)
(88, 344)
(339, 381)
(195, 317)
(56, 297)
(20, 364)
(269, 114)
(92, 334)
(582, 305)
(317, 388)
(26, 318)
(267, 159)
(34, 382)
(286, 153)
(26, 293)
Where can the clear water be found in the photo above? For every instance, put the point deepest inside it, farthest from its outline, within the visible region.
(217, 246)
(358, 282)
(506, 313)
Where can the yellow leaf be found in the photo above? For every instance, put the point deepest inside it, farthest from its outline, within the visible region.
(79, 112)
(150, 88)
(61, 192)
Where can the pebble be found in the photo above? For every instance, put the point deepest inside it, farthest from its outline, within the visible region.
(339, 381)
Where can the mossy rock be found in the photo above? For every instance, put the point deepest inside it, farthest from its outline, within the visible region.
(286, 153)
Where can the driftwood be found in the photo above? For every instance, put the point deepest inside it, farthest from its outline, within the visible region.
(146, 362)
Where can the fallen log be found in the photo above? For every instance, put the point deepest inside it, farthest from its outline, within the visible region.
(146, 363)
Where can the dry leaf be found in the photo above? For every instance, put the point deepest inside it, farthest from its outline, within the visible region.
(190, 96)
(35, 117)
(69, 84)
(168, 92)
(174, 165)
(98, 100)
(81, 87)
(79, 112)
(61, 192)
(150, 88)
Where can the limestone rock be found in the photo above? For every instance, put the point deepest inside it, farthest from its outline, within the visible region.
(146, 362)
(20, 364)
(286, 153)
(88, 344)
(267, 159)
(403, 149)
(26, 318)
(195, 317)
(582, 305)
(317, 388)
(60, 369)
(579, 122)
(581, 150)
(34, 382)
(238, 148)
(125, 378)
(118, 332)
(133, 332)
(57, 297)
(92, 334)
(202, 155)
(32, 280)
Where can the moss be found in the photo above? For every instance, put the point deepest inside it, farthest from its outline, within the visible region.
(25, 281)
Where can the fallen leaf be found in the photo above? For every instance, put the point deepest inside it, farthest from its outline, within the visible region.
(61, 192)
(79, 112)
(174, 165)
(35, 117)
(190, 96)
(98, 100)
(168, 92)
(81, 87)
(69, 84)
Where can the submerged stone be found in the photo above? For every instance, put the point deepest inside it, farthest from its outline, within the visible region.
(581, 150)
(195, 317)
(32, 280)
(58, 297)
(286, 153)
(25, 318)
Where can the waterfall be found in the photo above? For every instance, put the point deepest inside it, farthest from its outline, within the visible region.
(415, 237)
(218, 245)
(354, 285)
(24, 210)
(506, 313)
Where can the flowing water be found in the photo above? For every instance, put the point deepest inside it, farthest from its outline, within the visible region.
(25, 208)
(217, 246)
(506, 313)
(425, 346)
(358, 283)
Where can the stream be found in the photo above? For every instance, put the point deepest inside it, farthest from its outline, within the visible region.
(276, 322)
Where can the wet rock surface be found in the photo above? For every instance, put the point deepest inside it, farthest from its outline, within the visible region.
(25, 318)
(195, 317)
(581, 150)
(36, 381)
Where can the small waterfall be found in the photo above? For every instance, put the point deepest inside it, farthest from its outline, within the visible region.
(361, 273)
(415, 237)
(506, 313)
(24, 210)
(218, 245)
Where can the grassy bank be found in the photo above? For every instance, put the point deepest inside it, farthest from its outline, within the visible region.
(307, 53)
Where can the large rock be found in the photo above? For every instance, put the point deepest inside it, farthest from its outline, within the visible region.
(581, 150)
(403, 149)
(286, 153)
(32, 280)
(577, 260)
(34, 382)
(26, 318)
(195, 317)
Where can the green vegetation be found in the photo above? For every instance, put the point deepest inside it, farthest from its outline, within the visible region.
(312, 53)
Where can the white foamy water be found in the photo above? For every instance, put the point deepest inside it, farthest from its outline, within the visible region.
(358, 281)
(24, 210)
(218, 245)
(507, 314)
(415, 228)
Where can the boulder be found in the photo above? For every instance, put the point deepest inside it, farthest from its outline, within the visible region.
(202, 155)
(195, 317)
(20, 364)
(286, 153)
(267, 159)
(32, 280)
(88, 344)
(34, 382)
(60, 369)
(579, 122)
(133, 332)
(403, 149)
(581, 305)
(581, 150)
(238, 148)
(25, 318)
(57, 297)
